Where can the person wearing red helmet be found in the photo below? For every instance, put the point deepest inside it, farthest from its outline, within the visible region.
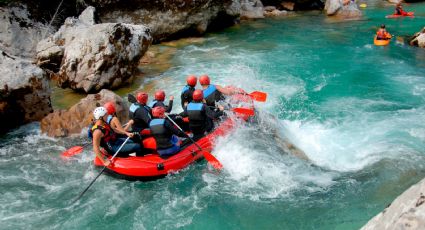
(186, 95)
(140, 113)
(159, 101)
(200, 115)
(113, 120)
(164, 132)
(214, 93)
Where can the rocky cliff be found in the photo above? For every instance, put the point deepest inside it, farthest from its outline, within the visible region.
(407, 211)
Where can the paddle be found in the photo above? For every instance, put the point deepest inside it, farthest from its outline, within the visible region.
(208, 156)
(112, 158)
(74, 150)
(258, 96)
(246, 111)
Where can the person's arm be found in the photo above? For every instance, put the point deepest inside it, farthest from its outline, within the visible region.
(128, 125)
(170, 105)
(174, 129)
(225, 90)
(212, 114)
(97, 135)
(117, 127)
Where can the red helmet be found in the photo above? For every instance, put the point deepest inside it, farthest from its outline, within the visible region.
(110, 107)
(160, 95)
(198, 95)
(204, 80)
(158, 112)
(191, 80)
(142, 98)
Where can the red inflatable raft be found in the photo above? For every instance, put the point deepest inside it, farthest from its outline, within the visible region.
(153, 166)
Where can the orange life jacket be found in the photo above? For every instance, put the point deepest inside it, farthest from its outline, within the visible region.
(383, 35)
(108, 134)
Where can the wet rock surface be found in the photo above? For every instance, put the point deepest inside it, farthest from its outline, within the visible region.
(94, 56)
(63, 123)
(24, 92)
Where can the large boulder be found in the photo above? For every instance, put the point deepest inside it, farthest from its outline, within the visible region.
(94, 56)
(407, 211)
(24, 92)
(169, 19)
(62, 123)
(19, 34)
(419, 39)
(251, 9)
(344, 9)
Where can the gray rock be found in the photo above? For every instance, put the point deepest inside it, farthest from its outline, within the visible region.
(251, 9)
(94, 56)
(407, 211)
(332, 6)
(349, 10)
(419, 39)
(172, 18)
(276, 13)
(62, 123)
(24, 92)
(269, 8)
(19, 34)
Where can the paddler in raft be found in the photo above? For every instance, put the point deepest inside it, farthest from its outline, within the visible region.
(105, 137)
(399, 9)
(215, 93)
(382, 34)
(159, 101)
(186, 94)
(113, 120)
(140, 113)
(200, 115)
(164, 133)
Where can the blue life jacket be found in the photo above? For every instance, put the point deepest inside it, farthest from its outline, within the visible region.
(194, 111)
(211, 95)
(136, 106)
(185, 88)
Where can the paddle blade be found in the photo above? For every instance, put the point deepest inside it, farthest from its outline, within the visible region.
(72, 151)
(212, 160)
(245, 111)
(258, 96)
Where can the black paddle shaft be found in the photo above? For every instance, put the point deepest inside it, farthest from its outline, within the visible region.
(98, 175)
(193, 141)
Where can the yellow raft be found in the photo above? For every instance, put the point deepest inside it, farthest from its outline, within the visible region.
(381, 42)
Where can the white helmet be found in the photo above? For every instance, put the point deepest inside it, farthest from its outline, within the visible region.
(99, 112)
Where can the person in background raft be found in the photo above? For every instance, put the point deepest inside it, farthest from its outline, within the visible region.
(164, 132)
(399, 10)
(105, 137)
(200, 115)
(140, 113)
(113, 120)
(382, 33)
(186, 96)
(159, 101)
(214, 93)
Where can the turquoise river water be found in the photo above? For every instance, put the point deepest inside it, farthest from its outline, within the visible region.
(356, 110)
